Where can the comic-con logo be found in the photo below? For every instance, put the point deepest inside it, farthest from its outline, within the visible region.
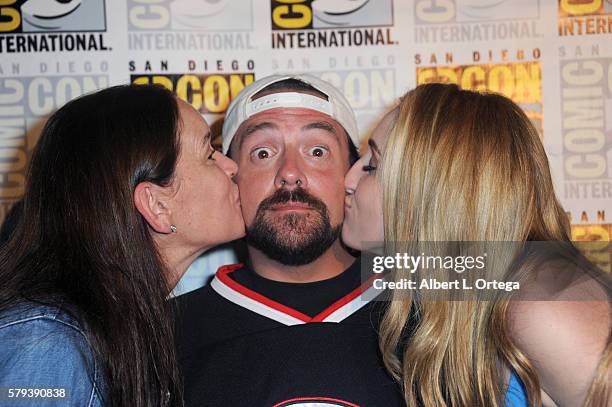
(210, 93)
(475, 20)
(586, 120)
(293, 15)
(34, 16)
(190, 15)
(443, 11)
(52, 26)
(585, 17)
(342, 17)
(315, 402)
(520, 81)
(25, 102)
(190, 25)
(595, 242)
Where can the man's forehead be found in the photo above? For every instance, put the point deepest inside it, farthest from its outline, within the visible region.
(281, 118)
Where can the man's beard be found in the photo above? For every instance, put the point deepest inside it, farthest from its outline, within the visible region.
(294, 238)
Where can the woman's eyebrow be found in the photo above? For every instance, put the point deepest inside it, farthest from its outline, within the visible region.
(374, 146)
(206, 139)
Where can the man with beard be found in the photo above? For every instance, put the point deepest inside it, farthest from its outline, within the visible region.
(290, 327)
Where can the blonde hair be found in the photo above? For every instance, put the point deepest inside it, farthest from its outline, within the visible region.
(464, 166)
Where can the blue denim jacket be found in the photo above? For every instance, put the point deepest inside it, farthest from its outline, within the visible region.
(44, 349)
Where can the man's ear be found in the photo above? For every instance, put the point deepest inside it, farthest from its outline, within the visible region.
(151, 202)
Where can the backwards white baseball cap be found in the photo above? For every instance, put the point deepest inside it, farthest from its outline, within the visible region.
(243, 106)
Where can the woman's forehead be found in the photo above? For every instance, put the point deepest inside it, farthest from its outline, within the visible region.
(381, 132)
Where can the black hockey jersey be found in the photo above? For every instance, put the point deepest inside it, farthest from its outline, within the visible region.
(247, 341)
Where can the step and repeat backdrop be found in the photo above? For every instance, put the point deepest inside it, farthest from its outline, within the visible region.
(552, 57)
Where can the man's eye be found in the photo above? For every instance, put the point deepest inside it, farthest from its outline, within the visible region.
(261, 153)
(318, 152)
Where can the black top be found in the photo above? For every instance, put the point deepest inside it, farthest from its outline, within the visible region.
(248, 341)
(308, 298)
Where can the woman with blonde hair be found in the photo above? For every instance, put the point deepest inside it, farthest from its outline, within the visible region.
(450, 165)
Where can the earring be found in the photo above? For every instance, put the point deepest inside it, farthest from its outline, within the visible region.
(173, 228)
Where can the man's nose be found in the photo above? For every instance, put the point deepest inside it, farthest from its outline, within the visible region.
(290, 174)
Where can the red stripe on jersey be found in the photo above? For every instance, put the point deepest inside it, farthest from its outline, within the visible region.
(223, 276)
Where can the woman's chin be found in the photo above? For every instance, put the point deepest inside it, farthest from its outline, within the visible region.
(349, 238)
(233, 229)
(238, 230)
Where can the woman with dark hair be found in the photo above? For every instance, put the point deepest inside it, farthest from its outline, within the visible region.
(124, 192)
(10, 221)
(451, 171)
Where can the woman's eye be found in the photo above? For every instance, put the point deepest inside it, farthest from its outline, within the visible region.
(318, 152)
(261, 153)
(371, 165)
(369, 168)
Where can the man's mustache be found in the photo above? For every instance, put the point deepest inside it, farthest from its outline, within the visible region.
(298, 194)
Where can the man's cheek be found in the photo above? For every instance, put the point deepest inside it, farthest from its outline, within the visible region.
(249, 207)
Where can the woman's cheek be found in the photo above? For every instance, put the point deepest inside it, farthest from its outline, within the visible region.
(366, 191)
(371, 200)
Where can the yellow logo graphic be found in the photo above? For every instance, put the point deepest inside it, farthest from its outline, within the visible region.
(594, 241)
(206, 93)
(11, 17)
(308, 14)
(580, 7)
(291, 15)
(30, 16)
(521, 82)
(585, 17)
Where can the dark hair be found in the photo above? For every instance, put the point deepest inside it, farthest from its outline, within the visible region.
(298, 85)
(10, 221)
(81, 241)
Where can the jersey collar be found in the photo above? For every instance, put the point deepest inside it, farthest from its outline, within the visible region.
(240, 295)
